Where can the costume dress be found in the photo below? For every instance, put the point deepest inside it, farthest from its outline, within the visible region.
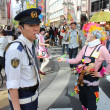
(88, 91)
(41, 50)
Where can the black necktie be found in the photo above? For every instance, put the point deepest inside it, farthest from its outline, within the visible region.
(34, 55)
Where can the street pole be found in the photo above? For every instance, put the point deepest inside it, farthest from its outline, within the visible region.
(68, 12)
(99, 5)
(22, 4)
(36, 3)
(109, 5)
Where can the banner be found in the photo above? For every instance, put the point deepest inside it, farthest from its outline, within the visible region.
(41, 4)
(31, 4)
(8, 8)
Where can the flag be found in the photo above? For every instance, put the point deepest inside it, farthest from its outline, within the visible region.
(31, 4)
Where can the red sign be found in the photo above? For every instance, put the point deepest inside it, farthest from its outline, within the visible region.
(8, 8)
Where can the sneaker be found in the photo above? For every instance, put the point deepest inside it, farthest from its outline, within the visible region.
(42, 72)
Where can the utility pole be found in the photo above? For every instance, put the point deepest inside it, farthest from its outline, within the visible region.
(36, 3)
(109, 5)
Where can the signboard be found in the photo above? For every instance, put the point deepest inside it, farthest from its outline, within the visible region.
(41, 4)
(8, 8)
(31, 4)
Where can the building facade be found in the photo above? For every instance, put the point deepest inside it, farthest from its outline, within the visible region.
(65, 11)
(3, 12)
(55, 11)
(97, 5)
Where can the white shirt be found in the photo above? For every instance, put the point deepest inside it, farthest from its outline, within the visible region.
(3, 44)
(64, 38)
(10, 38)
(24, 74)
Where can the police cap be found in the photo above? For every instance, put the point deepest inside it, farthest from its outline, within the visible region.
(29, 16)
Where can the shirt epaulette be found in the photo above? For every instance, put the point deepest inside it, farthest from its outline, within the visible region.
(20, 47)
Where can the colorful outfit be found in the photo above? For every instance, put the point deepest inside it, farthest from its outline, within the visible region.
(41, 50)
(87, 91)
(42, 53)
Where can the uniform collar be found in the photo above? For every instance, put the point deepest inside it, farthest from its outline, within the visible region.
(94, 43)
(28, 42)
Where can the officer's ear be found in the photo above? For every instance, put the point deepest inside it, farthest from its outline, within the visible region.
(20, 28)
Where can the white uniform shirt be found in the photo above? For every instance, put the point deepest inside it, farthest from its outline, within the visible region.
(24, 74)
(3, 44)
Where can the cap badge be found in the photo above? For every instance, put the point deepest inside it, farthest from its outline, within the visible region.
(34, 14)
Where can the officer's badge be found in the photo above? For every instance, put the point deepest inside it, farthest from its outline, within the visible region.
(34, 14)
(15, 62)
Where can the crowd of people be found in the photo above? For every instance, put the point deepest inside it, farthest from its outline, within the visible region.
(32, 41)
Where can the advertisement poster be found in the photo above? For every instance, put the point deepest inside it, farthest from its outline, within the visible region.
(31, 4)
(41, 4)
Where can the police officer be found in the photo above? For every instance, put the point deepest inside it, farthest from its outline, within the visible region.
(20, 63)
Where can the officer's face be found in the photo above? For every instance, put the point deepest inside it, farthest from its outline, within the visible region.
(30, 30)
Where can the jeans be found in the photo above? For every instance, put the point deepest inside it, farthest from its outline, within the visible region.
(63, 49)
(72, 54)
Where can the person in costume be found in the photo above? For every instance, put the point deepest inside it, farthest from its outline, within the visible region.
(42, 50)
(92, 56)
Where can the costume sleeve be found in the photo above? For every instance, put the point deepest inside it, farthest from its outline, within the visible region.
(12, 68)
(106, 56)
(78, 58)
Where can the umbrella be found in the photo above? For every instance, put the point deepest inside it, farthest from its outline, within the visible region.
(100, 17)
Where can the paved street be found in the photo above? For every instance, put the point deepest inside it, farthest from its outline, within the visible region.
(56, 86)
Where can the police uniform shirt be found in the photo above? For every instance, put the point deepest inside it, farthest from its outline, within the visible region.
(73, 39)
(19, 72)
